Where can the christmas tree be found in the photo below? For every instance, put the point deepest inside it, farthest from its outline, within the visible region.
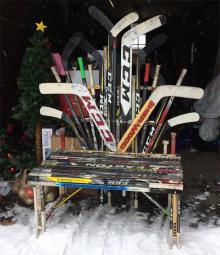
(16, 153)
(35, 69)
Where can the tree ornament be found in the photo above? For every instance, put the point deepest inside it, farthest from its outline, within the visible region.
(28, 191)
(9, 155)
(40, 26)
(12, 169)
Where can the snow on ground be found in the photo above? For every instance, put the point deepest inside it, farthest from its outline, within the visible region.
(100, 231)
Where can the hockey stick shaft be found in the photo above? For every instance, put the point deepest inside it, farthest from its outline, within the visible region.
(144, 97)
(156, 75)
(105, 88)
(92, 85)
(136, 96)
(154, 84)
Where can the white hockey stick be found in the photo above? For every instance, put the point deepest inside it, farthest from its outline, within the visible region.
(123, 23)
(156, 96)
(112, 66)
(160, 119)
(126, 57)
(182, 119)
(82, 92)
(179, 120)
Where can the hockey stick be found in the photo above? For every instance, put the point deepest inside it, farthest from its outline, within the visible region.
(88, 47)
(144, 97)
(83, 93)
(83, 76)
(104, 83)
(123, 23)
(179, 82)
(156, 75)
(52, 112)
(72, 43)
(81, 130)
(126, 59)
(113, 103)
(77, 40)
(152, 45)
(102, 19)
(154, 84)
(99, 16)
(92, 86)
(181, 119)
(163, 112)
(156, 96)
(136, 98)
(112, 64)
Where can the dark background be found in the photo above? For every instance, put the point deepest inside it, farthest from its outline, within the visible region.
(187, 22)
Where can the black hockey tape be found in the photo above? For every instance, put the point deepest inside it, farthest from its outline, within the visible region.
(99, 16)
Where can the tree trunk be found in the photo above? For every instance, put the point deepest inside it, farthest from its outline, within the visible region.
(38, 142)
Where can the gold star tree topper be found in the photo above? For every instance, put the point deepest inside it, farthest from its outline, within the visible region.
(40, 26)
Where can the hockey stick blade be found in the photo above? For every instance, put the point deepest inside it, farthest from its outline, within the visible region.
(156, 96)
(77, 40)
(88, 47)
(73, 42)
(155, 43)
(82, 92)
(51, 112)
(184, 118)
(99, 16)
(148, 25)
(179, 120)
(123, 23)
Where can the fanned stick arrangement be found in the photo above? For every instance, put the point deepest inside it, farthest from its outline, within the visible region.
(122, 101)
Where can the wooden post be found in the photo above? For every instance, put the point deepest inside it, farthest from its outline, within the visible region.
(39, 208)
(173, 143)
(165, 144)
(174, 206)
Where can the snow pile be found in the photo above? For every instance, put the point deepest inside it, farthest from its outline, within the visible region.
(99, 231)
